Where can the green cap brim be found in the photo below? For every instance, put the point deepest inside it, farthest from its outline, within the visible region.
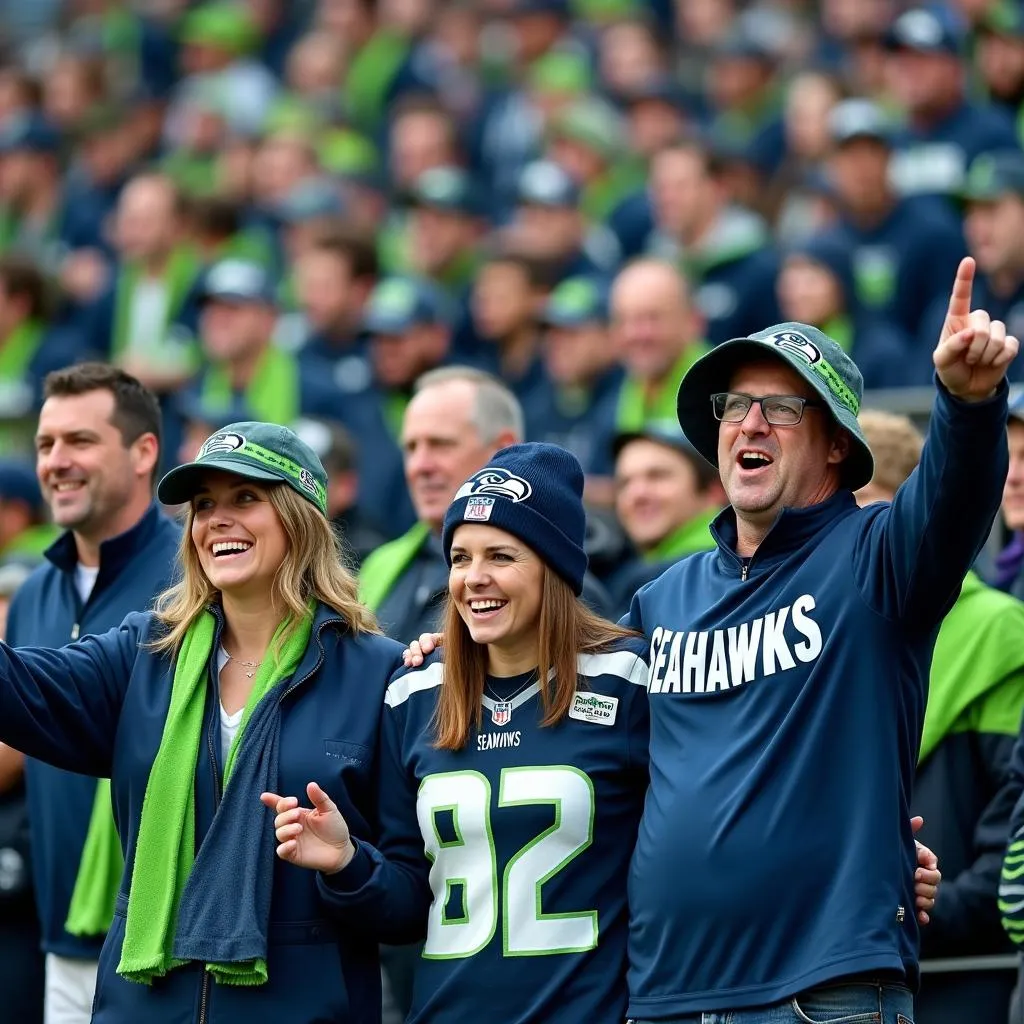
(712, 373)
(181, 485)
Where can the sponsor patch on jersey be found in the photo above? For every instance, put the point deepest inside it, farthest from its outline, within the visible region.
(479, 510)
(501, 713)
(595, 708)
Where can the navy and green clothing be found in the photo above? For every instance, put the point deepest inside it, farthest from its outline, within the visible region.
(581, 419)
(934, 160)
(903, 264)
(47, 611)
(965, 794)
(787, 699)
(97, 707)
(509, 854)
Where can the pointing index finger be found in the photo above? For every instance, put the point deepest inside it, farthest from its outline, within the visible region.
(960, 297)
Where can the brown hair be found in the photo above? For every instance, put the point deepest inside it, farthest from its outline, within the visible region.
(567, 629)
(895, 444)
(348, 243)
(136, 410)
(22, 279)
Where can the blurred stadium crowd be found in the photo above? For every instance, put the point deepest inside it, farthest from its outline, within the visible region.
(293, 210)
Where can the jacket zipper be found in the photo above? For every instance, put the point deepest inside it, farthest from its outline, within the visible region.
(744, 568)
(217, 785)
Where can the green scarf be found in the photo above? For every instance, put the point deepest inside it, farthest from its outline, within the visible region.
(371, 74)
(693, 535)
(165, 846)
(636, 411)
(19, 348)
(182, 268)
(273, 393)
(382, 568)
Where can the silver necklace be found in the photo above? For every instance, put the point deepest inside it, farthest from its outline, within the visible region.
(249, 667)
(507, 700)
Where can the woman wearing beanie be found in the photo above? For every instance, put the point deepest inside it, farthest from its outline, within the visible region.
(512, 773)
(258, 670)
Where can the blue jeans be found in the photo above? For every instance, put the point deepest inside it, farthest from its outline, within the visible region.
(841, 1003)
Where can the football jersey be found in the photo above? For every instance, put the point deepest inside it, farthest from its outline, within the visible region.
(519, 843)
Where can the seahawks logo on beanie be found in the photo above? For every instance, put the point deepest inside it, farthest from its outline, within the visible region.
(496, 481)
(220, 444)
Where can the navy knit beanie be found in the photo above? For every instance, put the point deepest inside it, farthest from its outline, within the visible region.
(535, 492)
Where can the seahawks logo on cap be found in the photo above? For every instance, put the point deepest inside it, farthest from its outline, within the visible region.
(307, 481)
(220, 443)
(799, 344)
(494, 480)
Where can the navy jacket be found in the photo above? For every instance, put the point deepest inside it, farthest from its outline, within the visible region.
(787, 698)
(47, 612)
(98, 707)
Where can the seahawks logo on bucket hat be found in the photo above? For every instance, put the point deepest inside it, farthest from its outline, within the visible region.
(494, 480)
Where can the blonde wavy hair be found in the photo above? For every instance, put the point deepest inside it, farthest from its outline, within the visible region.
(314, 567)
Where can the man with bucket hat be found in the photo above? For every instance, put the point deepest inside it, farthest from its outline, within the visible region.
(788, 676)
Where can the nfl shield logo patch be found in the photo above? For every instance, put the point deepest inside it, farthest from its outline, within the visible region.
(479, 509)
(502, 713)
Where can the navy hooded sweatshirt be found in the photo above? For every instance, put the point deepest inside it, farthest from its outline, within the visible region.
(787, 694)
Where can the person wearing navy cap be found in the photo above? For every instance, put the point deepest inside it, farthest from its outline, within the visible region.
(25, 529)
(992, 199)
(575, 406)
(33, 212)
(903, 247)
(512, 772)
(259, 667)
(548, 223)
(946, 129)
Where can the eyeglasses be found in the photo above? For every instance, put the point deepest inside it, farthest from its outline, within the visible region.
(778, 410)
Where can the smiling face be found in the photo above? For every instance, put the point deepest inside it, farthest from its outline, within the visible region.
(237, 534)
(496, 582)
(767, 468)
(89, 477)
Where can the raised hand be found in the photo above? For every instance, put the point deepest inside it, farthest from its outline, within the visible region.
(316, 838)
(414, 654)
(973, 350)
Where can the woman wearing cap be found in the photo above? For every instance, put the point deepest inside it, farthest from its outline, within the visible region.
(259, 670)
(510, 795)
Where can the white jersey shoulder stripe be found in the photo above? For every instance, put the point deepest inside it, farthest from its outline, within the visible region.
(624, 664)
(422, 679)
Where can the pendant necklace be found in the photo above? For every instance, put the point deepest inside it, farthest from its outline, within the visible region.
(249, 667)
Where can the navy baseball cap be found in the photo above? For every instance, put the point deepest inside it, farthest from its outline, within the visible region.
(925, 30)
(994, 175)
(18, 482)
(310, 199)
(30, 133)
(446, 188)
(859, 119)
(577, 301)
(398, 303)
(545, 183)
(238, 281)
(266, 452)
(1016, 408)
(664, 433)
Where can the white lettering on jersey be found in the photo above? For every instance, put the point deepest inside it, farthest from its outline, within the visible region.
(498, 740)
(721, 659)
